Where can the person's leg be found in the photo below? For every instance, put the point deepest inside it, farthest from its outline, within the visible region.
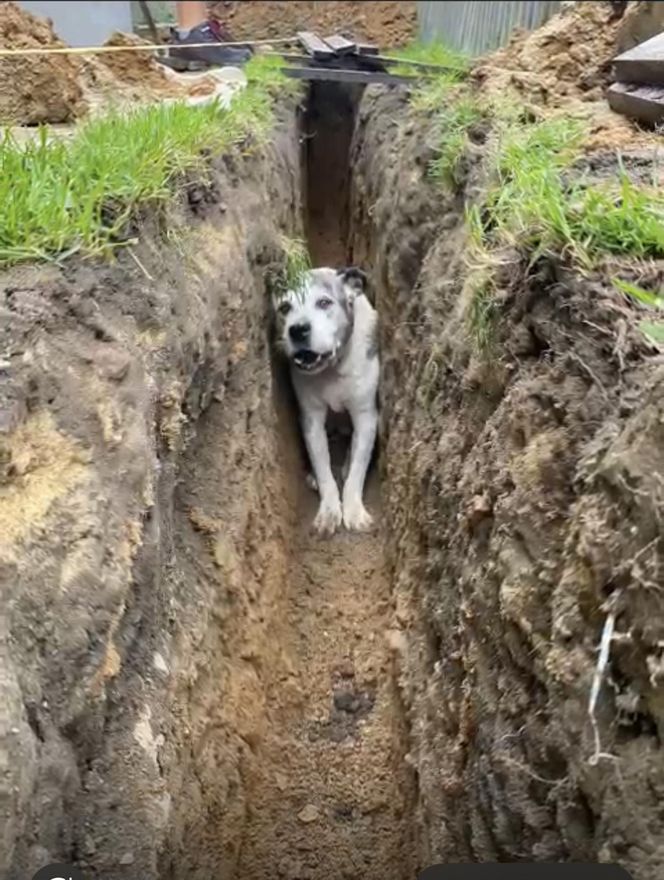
(195, 27)
(189, 14)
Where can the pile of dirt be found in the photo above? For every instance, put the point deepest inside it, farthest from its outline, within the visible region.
(382, 23)
(138, 76)
(566, 65)
(36, 88)
(136, 69)
(59, 89)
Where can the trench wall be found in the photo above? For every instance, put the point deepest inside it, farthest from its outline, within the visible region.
(523, 501)
(142, 532)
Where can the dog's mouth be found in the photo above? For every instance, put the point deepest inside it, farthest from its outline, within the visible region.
(307, 360)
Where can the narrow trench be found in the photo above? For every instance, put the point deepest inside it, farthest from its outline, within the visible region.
(331, 795)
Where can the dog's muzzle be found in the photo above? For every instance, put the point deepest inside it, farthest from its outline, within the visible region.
(310, 361)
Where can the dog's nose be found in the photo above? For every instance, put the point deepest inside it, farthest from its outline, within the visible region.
(300, 332)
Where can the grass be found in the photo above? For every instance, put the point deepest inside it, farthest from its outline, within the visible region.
(58, 198)
(455, 120)
(432, 92)
(537, 206)
(297, 263)
(435, 53)
(534, 207)
(652, 330)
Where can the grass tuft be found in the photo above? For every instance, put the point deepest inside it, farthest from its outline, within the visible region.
(59, 198)
(297, 263)
(432, 93)
(437, 54)
(535, 207)
(455, 120)
(653, 330)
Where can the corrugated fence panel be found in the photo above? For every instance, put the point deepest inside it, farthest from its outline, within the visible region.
(476, 26)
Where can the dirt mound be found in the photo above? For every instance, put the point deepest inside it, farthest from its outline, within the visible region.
(36, 88)
(56, 89)
(136, 68)
(570, 56)
(566, 65)
(383, 23)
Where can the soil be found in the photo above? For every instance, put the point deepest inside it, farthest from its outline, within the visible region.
(202, 690)
(385, 24)
(137, 71)
(565, 66)
(521, 507)
(38, 88)
(60, 89)
(194, 685)
(137, 592)
(332, 795)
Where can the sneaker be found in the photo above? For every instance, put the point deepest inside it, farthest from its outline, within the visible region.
(217, 55)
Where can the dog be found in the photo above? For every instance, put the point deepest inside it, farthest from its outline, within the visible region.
(328, 330)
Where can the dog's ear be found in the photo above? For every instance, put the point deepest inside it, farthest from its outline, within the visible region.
(354, 279)
(355, 284)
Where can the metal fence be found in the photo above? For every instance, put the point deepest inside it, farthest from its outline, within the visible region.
(476, 26)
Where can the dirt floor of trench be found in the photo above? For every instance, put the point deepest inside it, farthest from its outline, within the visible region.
(331, 795)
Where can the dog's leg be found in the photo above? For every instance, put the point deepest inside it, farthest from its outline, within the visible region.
(365, 423)
(345, 470)
(328, 518)
(311, 482)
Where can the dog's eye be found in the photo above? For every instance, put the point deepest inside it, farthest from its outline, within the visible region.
(284, 308)
(324, 303)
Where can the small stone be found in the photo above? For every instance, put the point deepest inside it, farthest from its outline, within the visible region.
(346, 701)
(396, 641)
(281, 782)
(127, 859)
(159, 663)
(113, 364)
(346, 669)
(90, 847)
(308, 814)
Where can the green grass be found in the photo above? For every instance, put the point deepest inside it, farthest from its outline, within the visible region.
(537, 206)
(297, 263)
(455, 120)
(58, 198)
(653, 330)
(432, 91)
(534, 208)
(435, 53)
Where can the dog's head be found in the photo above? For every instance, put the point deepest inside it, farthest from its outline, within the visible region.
(315, 322)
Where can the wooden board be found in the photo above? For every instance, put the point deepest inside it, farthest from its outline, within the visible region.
(643, 64)
(364, 77)
(366, 49)
(314, 46)
(340, 45)
(644, 103)
(416, 65)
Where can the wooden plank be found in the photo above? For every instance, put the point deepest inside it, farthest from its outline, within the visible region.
(314, 46)
(340, 45)
(364, 77)
(644, 103)
(643, 64)
(367, 49)
(418, 65)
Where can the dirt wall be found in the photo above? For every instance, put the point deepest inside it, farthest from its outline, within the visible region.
(523, 500)
(142, 529)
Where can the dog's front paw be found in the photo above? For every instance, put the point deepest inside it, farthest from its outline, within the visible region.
(328, 519)
(356, 517)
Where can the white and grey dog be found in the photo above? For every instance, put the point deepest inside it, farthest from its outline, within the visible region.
(328, 330)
